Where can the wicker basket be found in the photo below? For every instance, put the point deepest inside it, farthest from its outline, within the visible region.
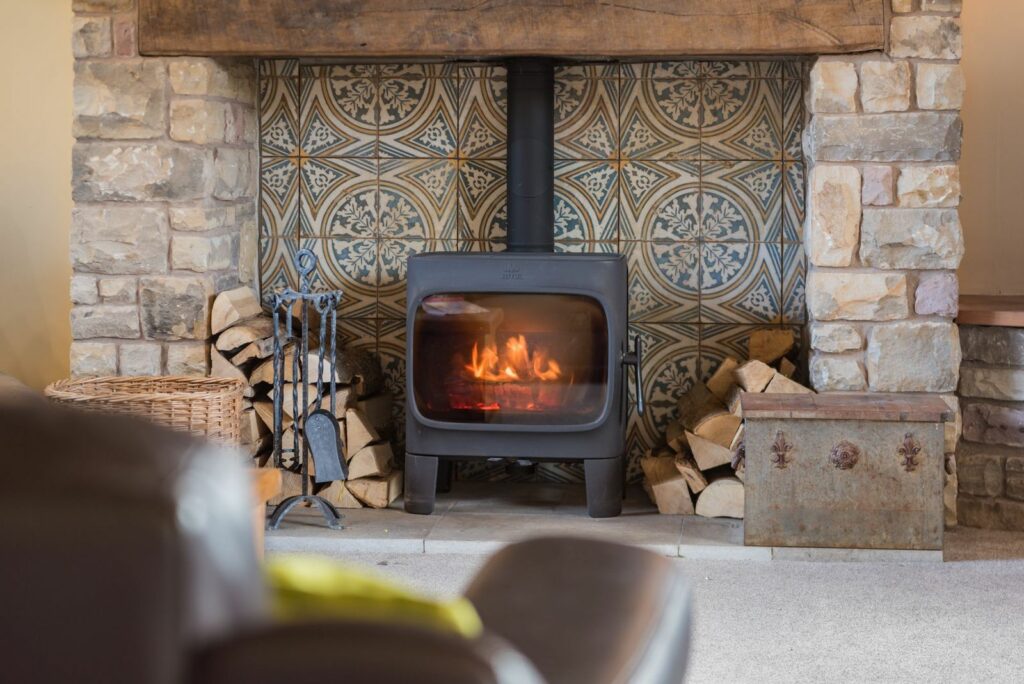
(206, 407)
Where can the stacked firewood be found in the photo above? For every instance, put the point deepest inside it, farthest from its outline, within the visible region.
(244, 349)
(700, 466)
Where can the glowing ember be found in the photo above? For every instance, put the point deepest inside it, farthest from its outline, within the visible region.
(516, 364)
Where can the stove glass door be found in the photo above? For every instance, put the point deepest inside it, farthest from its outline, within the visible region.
(510, 358)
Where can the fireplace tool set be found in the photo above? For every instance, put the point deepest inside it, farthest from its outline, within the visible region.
(317, 432)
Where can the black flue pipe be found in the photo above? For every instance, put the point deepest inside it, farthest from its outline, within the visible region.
(531, 155)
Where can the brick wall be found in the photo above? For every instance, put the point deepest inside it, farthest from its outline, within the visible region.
(163, 183)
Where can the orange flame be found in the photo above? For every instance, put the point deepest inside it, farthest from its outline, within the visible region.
(515, 364)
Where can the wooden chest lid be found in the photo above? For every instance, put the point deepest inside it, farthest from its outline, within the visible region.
(916, 408)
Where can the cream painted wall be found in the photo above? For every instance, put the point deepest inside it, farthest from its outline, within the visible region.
(992, 167)
(35, 188)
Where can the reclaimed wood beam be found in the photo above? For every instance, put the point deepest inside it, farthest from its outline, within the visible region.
(432, 29)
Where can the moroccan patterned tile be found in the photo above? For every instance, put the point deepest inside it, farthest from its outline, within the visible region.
(277, 264)
(581, 247)
(339, 197)
(483, 246)
(483, 109)
(586, 200)
(351, 265)
(660, 119)
(741, 201)
(339, 111)
(792, 119)
(659, 200)
(793, 199)
(793, 68)
(278, 67)
(279, 188)
(418, 71)
(670, 369)
(393, 258)
(741, 119)
(391, 351)
(740, 282)
(357, 333)
(417, 114)
(794, 280)
(660, 70)
(664, 279)
(279, 116)
(586, 112)
(740, 69)
(418, 199)
(719, 341)
(483, 214)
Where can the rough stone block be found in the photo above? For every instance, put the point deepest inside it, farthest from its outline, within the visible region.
(940, 86)
(925, 37)
(113, 172)
(93, 358)
(200, 76)
(929, 186)
(994, 514)
(990, 423)
(835, 337)
(953, 428)
(937, 294)
(175, 307)
(837, 373)
(248, 252)
(834, 222)
(198, 121)
(1014, 477)
(119, 240)
(992, 382)
(235, 174)
(90, 37)
(941, 5)
(833, 87)
(913, 356)
(885, 86)
(876, 188)
(906, 136)
(119, 100)
(140, 358)
(911, 238)
(902, 6)
(118, 290)
(125, 44)
(104, 321)
(836, 295)
(992, 344)
(188, 358)
(84, 290)
(199, 218)
(980, 470)
(200, 253)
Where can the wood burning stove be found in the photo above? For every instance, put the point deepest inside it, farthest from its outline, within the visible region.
(520, 354)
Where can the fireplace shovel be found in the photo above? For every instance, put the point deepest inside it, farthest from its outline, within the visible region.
(323, 435)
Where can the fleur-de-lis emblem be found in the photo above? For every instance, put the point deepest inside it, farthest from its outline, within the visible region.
(909, 450)
(780, 450)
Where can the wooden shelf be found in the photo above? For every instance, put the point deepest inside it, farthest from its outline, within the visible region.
(1002, 310)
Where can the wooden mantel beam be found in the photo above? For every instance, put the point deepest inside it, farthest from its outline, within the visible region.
(432, 29)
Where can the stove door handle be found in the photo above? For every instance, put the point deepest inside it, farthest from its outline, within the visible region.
(636, 359)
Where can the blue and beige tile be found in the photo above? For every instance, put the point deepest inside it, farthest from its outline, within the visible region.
(350, 265)
(660, 119)
(741, 201)
(483, 213)
(587, 112)
(339, 197)
(279, 190)
(792, 119)
(659, 200)
(586, 200)
(392, 258)
(794, 281)
(664, 280)
(740, 282)
(482, 111)
(740, 119)
(793, 199)
(279, 116)
(418, 199)
(585, 247)
(339, 108)
(417, 111)
(719, 341)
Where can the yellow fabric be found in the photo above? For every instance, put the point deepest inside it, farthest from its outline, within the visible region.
(312, 587)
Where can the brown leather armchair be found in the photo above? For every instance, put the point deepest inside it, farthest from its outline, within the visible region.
(126, 556)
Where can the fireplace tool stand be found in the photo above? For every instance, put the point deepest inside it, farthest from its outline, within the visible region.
(317, 433)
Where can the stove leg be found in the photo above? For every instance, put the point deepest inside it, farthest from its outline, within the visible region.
(604, 478)
(420, 484)
(445, 467)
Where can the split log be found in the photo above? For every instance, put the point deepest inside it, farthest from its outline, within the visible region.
(754, 376)
(787, 367)
(780, 384)
(222, 368)
(371, 461)
(264, 372)
(256, 350)
(252, 427)
(769, 344)
(291, 485)
(707, 454)
(668, 488)
(377, 492)
(675, 437)
(337, 493)
(698, 405)
(342, 400)
(361, 369)
(358, 432)
(949, 491)
(265, 412)
(695, 479)
(233, 306)
(241, 334)
(722, 381)
(377, 410)
(723, 498)
(733, 401)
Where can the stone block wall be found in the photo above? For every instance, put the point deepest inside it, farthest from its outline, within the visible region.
(164, 187)
(990, 460)
(883, 236)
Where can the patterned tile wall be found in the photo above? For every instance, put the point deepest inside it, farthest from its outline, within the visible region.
(692, 169)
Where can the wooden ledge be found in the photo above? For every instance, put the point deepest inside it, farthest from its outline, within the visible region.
(915, 408)
(1002, 310)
